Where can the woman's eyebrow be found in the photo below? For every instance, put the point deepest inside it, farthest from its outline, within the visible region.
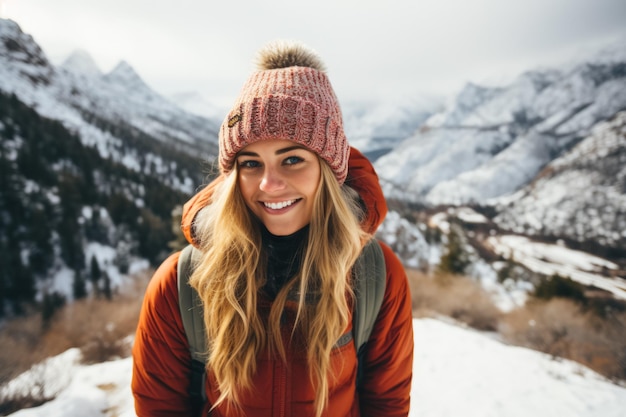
(278, 152)
(289, 149)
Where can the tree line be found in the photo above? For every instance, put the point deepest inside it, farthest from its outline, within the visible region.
(48, 179)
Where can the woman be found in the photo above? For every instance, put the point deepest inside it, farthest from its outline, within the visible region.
(280, 231)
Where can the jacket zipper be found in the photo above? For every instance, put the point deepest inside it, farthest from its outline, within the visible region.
(282, 377)
(283, 390)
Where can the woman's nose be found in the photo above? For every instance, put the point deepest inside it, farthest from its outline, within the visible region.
(272, 181)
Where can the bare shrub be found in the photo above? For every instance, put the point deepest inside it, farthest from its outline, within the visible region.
(452, 295)
(99, 327)
(21, 346)
(424, 293)
(611, 360)
(562, 328)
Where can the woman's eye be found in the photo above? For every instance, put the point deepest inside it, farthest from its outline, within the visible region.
(249, 164)
(292, 160)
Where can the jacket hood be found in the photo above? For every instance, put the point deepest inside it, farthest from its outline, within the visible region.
(361, 177)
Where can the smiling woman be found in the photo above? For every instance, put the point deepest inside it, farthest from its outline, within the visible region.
(279, 235)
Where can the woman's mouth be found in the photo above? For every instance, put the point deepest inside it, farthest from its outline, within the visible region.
(279, 205)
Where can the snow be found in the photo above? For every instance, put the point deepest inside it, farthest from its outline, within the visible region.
(551, 259)
(460, 372)
(468, 215)
(456, 372)
(95, 390)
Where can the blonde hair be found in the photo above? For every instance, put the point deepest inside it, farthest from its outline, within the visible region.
(233, 269)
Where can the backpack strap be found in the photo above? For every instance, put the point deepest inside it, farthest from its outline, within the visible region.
(370, 276)
(193, 321)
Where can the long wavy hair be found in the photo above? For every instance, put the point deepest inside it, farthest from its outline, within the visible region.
(233, 269)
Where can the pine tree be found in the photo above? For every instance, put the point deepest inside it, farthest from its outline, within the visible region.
(455, 258)
(79, 289)
(123, 256)
(106, 290)
(95, 273)
(50, 304)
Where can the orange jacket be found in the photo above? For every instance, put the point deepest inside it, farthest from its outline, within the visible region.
(161, 366)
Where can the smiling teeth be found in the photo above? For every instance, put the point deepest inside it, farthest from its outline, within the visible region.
(278, 206)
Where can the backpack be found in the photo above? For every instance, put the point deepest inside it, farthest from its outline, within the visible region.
(369, 288)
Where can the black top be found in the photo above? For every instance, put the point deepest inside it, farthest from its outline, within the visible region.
(284, 258)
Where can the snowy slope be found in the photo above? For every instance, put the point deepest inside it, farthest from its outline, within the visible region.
(377, 128)
(193, 102)
(457, 372)
(548, 259)
(581, 195)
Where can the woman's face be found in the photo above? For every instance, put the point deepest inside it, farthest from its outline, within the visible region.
(278, 180)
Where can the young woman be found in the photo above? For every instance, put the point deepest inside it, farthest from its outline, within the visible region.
(280, 231)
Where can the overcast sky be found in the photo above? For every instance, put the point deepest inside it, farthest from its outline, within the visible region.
(388, 48)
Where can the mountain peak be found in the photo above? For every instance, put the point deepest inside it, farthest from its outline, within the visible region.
(125, 74)
(9, 27)
(80, 62)
(19, 46)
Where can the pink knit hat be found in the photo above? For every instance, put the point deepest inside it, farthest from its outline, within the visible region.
(288, 97)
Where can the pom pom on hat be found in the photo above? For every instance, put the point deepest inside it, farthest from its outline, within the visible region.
(288, 97)
(283, 54)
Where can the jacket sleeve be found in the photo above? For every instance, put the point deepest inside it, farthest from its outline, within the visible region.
(386, 384)
(161, 355)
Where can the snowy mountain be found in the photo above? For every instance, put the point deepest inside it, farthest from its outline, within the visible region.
(485, 376)
(86, 159)
(492, 142)
(543, 156)
(98, 106)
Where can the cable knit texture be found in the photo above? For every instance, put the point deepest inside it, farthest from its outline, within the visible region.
(295, 103)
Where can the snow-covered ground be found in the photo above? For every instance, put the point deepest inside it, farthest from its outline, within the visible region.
(457, 372)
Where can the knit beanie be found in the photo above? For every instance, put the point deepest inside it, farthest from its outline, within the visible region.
(288, 97)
